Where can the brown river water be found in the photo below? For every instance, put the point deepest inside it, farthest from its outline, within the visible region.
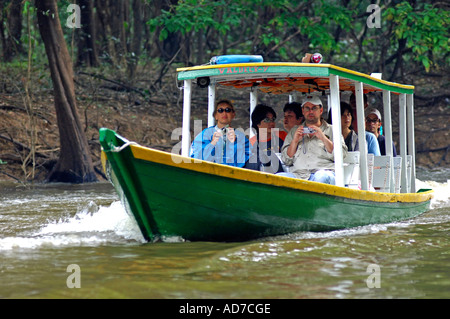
(77, 241)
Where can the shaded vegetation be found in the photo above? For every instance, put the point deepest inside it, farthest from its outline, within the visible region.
(125, 54)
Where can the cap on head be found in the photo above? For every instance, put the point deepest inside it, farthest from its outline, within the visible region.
(373, 111)
(312, 99)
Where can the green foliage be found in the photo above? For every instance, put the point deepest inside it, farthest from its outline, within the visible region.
(314, 19)
(198, 15)
(277, 29)
(426, 31)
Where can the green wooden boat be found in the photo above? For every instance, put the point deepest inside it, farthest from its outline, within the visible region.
(174, 195)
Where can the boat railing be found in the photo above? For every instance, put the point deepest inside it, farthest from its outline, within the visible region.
(384, 172)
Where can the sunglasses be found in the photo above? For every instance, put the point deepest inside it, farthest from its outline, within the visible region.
(372, 120)
(269, 120)
(227, 110)
(314, 109)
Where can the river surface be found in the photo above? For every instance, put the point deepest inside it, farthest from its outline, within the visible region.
(77, 241)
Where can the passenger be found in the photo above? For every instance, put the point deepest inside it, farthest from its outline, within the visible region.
(311, 154)
(292, 115)
(373, 125)
(350, 136)
(221, 143)
(267, 141)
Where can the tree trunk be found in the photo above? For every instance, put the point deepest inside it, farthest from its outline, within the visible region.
(74, 164)
(11, 17)
(87, 49)
(135, 49)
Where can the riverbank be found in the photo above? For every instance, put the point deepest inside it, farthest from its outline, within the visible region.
(148, 110)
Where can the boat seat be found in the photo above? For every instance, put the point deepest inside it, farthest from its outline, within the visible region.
(382, 173)
(351, 170)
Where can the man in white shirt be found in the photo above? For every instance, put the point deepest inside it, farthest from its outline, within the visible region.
(308, 148)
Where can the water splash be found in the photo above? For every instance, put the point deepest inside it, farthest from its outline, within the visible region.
(441, 192)
(92, 226)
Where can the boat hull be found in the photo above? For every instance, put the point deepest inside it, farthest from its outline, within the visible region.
(201, 201)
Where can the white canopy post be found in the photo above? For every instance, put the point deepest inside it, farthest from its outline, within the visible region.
(211, 104)
(337, 130)
(411, 140)
(387, 127)
(293, 97)
(361, 135)
(253, 103)
(403, 142)
(186, 130)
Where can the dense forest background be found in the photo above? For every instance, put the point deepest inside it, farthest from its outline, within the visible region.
(124, 54)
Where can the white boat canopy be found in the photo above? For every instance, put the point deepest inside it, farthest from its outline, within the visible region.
(308, 78)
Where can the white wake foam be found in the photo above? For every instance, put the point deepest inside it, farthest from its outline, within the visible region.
(92, 226)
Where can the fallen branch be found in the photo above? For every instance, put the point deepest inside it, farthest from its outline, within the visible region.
(430, 100)
(445, 148)
(119, 84)
(21, 146)
(9, 175)
(443, 157)
(21, 109)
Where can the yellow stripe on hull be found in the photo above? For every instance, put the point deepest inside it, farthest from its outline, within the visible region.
(160, 157)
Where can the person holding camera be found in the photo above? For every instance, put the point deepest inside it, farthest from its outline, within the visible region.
(308, 148)
(222, 143)
(267, 142)
(292, 115)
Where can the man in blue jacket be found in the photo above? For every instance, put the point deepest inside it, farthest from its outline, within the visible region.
(221, 143)
(373, 125)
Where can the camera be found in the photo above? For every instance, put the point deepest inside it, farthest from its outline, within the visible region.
(307, 130)
(223, 130)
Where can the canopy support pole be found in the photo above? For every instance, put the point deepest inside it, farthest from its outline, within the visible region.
(361, 136)
(403, 142)
(411, 141)
(211, 104)
(337, 130)
(253, 103)
(387, 125)
(186, 130)
(293, 97)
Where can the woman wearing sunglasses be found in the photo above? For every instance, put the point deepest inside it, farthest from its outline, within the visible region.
(350, 135)
(221, 143)
(267, 142)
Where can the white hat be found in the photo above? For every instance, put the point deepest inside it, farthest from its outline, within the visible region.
(373, 111)
(312, 99)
